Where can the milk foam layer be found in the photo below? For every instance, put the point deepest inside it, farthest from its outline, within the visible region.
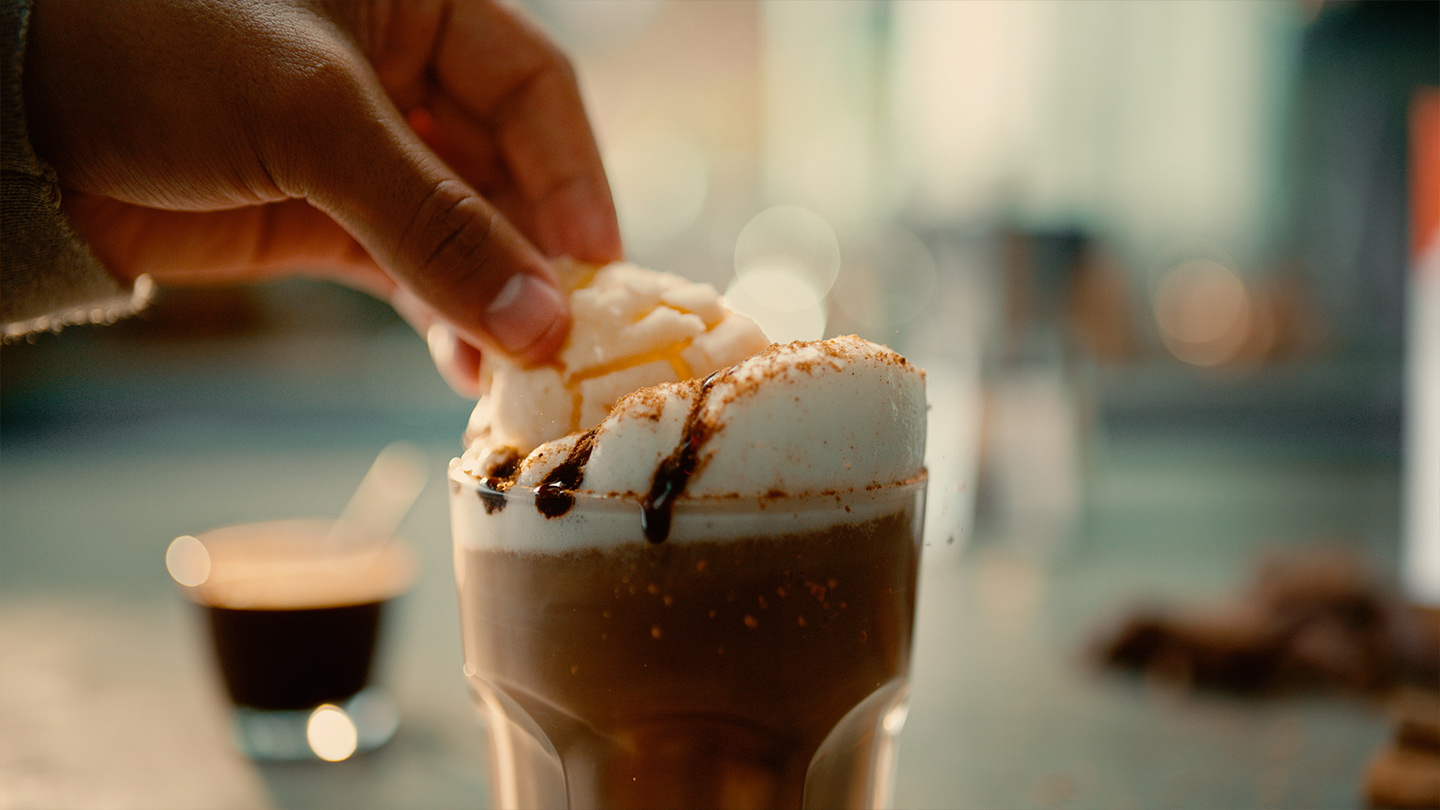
(605, 522)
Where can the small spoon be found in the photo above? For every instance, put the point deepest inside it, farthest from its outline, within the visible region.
(384, 496)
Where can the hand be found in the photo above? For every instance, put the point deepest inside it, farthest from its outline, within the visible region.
(432, 153)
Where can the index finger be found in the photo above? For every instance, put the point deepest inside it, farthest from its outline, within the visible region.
(509, 79)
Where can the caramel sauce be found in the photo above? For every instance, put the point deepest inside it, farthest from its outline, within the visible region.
(669, 354)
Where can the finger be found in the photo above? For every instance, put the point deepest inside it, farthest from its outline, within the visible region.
(472, 152)
(530, 106)
(457, 361)
(252, 244)
(355, 158)
(220, 247)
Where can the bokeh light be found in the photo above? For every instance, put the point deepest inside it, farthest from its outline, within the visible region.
(331, 733)
(782, 299)
(887, 278)
(1204, 312)
(793, 237)
(895, 718)
(660, 179)
(188, 561)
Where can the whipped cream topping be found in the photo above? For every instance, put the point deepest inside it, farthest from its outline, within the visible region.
(661, 395)
(630, 328)
(829, 416)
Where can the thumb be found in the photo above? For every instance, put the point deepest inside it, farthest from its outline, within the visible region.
(435, 235)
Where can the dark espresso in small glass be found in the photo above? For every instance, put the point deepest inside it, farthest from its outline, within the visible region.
(295, 659)
(294, 617)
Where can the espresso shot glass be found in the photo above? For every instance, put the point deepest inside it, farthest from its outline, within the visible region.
(294, 613)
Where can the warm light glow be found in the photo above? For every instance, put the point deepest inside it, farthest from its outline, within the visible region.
(188, 561)
(660, 180)
(781, 299)
(795, 237)
(888, 277)
(374, 716)
(1421, 560)
(1204, 312)
(895, 718)
(331, 733)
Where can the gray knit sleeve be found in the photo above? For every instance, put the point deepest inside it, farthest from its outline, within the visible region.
(49, 277)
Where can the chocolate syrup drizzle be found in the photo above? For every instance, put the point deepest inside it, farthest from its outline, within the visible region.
(675, 472)
(501, 478)
(556, 493)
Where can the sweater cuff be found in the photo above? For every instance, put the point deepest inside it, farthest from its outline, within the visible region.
(49, 277)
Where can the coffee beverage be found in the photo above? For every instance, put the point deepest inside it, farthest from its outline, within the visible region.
(699, 593)
(294, 616)
(748, 670)
(295, 659)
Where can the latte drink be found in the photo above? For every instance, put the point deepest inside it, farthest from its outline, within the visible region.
(687, 557)
(755, 657)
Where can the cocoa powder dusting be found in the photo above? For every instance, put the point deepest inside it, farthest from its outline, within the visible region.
(556, 493)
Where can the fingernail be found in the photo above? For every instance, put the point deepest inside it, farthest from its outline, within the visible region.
(523, 312)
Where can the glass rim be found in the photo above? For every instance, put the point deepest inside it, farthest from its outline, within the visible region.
(464, 481)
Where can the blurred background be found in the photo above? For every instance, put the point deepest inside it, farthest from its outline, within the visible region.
(1154, 257)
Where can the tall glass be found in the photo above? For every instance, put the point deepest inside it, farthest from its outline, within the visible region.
(757, 657)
